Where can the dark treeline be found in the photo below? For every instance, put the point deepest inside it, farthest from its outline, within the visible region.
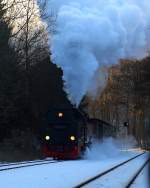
(29, 83)
(10, 79)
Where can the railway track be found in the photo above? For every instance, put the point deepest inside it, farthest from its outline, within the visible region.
(23, 162)
(11, 166)
(105, 173)
(135, 176)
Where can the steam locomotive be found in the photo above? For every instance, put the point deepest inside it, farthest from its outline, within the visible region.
(68, 132)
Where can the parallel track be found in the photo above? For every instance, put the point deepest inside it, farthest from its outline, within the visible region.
(12, 166)
(23, 162)
(106, 172)
(133, 179)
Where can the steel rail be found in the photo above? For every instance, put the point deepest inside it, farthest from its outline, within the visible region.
(28, 165)
(23, 162)
(106, 172)
(135, 176)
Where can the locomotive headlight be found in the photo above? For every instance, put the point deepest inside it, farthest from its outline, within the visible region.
(47, 137)
(72, 138)
(60, 114)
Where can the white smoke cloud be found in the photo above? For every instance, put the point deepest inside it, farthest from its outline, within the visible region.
(110, 148)
(92, 34)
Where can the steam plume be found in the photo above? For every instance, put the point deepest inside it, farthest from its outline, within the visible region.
(92, 34)
(115, 148)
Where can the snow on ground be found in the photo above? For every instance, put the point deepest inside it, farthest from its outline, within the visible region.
(120, 177)
(64, 174)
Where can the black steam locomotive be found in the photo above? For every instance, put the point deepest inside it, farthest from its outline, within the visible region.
(64, 135)
(68, 131)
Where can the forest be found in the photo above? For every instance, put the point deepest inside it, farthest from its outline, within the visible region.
(126, 98)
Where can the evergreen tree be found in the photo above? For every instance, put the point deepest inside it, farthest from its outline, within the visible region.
(8, 76)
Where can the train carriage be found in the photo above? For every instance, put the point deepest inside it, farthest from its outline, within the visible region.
(98, 129)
